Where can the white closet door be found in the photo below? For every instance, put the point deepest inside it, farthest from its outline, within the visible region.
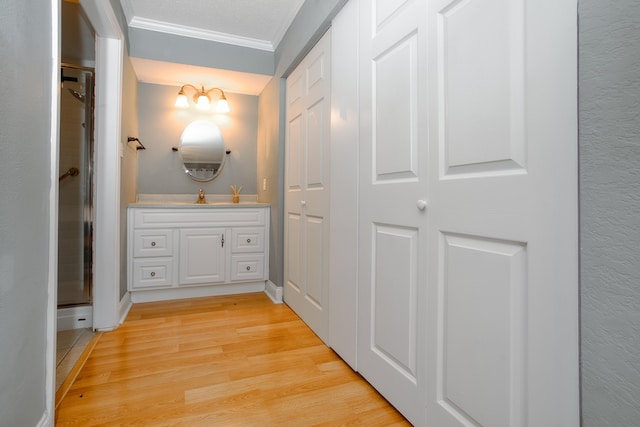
(503, 294)
(393, 187)
(468, 226)
(306, 264)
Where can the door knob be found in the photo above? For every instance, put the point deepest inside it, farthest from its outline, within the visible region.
(421, 204)
(303, 203)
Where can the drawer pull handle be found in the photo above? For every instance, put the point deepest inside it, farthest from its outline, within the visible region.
(248, 240)
(153, 243)
(248, 268)
(153, 274)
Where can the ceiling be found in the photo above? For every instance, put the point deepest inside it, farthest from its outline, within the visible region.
(257, 24)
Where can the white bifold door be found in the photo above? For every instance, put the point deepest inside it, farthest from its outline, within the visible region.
(467, 297)
(306, 239)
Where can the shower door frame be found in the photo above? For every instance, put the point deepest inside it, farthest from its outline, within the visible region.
(88, 196)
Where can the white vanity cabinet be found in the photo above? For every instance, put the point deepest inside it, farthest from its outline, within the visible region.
(181, 251)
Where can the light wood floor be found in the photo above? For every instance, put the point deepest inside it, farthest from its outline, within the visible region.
(222, 361)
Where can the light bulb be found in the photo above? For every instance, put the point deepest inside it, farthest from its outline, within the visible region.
(203, 102)
(182, 101)
(222, 106)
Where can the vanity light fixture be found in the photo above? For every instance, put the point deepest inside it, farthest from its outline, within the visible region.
(202, 99)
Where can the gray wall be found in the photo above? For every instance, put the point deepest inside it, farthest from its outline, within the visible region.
(160, 126)
(271, 168)
(185, 50)
(128, 162)
(609, 108)
(311, 22)
(25, 177)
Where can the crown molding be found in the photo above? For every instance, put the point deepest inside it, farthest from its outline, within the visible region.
(280, 32)
(181, 30)
(127, 8)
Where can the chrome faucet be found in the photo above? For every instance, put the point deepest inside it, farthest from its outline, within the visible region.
(201, 199)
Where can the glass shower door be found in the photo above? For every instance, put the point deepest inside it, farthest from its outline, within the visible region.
(75, 225)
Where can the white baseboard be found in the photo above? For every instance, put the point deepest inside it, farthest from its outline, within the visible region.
(196, 292)
(125, 306)
(46, 420)
(274, 292)
(75, 317)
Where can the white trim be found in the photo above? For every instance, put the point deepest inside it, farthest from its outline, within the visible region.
(102, 18)
(274, 292)
(127, 8)
(197, 33)
(345, 169)
(196, 292)
(107, 200)
(52, 277)
(75, 317)
(108, 147)
(45, 420)
(280, 32)
(125, 306)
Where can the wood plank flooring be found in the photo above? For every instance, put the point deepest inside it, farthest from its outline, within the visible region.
(220, 361)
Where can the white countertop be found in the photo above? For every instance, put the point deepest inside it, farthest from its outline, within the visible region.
(185, 205)
(183, 201)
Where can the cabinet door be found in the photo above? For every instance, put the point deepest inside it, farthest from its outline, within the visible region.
(202, 256)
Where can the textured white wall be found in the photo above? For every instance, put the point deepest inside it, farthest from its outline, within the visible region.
(609, 104)
(25, 185)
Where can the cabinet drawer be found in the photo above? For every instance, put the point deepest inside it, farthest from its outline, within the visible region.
(150, 243)
(247, 267)
(247, 239)
(152, 273)
(200, 217)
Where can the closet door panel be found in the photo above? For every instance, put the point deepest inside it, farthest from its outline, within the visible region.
(306, 288)
(392, 220)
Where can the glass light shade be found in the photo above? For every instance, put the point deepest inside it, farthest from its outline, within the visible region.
(182, 101)
(203, 102)
(222, 106)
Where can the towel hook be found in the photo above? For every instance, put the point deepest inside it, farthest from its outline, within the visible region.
(139, 145)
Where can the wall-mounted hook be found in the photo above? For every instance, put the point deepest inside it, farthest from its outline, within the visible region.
(139, 145)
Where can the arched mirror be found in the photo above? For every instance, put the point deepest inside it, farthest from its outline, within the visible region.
(202, 150)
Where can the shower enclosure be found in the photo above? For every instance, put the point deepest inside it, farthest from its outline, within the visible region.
(75, 203)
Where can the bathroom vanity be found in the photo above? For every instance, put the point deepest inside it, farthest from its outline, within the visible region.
(184, 250)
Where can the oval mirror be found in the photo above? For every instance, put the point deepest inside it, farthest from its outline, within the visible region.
(202, 150)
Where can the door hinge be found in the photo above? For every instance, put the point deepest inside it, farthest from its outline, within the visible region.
(223, 240)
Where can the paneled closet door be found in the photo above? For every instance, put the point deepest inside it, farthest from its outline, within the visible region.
(468, 210)
(503, 249)
(306, 239)
(393, 202)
